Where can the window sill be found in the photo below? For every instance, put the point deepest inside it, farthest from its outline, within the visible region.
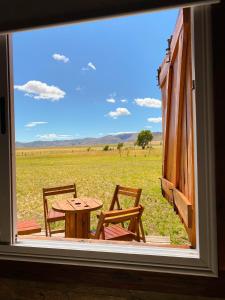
(108, 255)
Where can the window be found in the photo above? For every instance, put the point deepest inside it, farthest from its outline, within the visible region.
(201, 260)
(96, 107)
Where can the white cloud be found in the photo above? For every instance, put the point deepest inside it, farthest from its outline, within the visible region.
(54, 136)
(148, 102)
(121, 132)
(90, 66)
(124, 100)
(111, 100)
(60, 57)
(155, 120)
(33, 124)
(40, 90)
(120, 111)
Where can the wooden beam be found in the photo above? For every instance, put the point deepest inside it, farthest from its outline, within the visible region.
(167, 188)
(167, 119)
(184, 207)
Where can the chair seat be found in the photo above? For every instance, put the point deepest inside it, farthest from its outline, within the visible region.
(55, 216)
(28, 227)
(116, 232)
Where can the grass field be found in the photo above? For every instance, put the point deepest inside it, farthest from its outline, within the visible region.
(96, 173)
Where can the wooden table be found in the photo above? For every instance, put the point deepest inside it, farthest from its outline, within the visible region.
(77, 212)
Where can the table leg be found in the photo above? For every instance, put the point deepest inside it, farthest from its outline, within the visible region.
(77, 225)
(70, 225)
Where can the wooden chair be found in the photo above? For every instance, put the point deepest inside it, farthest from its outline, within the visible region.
(105, 231)
(130, 192)
(126, 191)
(27, 227)
(50, 215)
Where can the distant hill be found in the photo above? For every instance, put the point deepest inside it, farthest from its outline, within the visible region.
(108, 139)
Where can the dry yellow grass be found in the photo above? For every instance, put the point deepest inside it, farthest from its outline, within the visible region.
(96, 173)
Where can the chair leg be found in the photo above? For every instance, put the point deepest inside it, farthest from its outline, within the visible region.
(49, 229)
(137, 232)
(46, 228)
(46, 225)
(142, 231)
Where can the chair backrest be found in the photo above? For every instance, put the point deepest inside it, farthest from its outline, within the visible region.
(130, 192)
(57, 191)
(119, 216)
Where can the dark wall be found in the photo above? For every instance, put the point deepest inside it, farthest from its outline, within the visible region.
(218, 43)
(21, 14)
(23, 290)
(36, 281)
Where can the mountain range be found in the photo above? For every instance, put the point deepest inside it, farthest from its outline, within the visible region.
(104, 140)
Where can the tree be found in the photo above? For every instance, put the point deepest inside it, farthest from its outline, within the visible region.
(119, 147)
(144, 138)
(106, 148)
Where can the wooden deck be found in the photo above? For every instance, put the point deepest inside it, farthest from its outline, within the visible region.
(150, 239)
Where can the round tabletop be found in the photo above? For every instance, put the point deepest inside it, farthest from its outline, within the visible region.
(80, 204)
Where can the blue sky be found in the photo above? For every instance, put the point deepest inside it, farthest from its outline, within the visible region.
(90, 79)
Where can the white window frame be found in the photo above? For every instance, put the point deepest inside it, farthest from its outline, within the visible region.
(199, 261)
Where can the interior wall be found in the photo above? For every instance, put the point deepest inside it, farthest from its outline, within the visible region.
(22, 14)
(22, 290)
(218, 45)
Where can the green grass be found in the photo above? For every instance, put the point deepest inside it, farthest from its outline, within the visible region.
(96, 173)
